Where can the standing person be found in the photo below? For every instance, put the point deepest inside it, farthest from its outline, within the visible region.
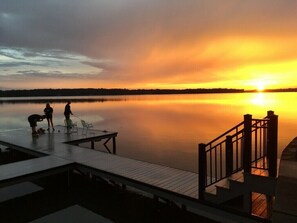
(48, 111)
(33, 119)
(67, 113)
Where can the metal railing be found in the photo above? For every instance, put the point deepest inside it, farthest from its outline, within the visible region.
(243, 147)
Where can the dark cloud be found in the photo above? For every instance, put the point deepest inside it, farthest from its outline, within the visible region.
(103, 28)
(104, 65)
(16, 64)
(41, 75)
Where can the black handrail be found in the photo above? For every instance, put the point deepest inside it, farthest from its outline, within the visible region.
(224, 134)
(220, 154)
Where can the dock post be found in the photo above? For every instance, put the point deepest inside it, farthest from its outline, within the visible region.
(202, 171)
(247, 143)
(229, 156)
(114, 149)
(272, 144)
(270, 113)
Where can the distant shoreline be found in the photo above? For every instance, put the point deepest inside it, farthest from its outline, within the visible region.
(123, 91)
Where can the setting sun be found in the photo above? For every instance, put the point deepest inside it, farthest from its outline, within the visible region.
(260, 86)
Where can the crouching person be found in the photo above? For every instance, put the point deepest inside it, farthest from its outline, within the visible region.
(33, 119)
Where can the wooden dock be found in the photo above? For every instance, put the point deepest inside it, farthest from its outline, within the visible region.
(61, 145)
(59, 151)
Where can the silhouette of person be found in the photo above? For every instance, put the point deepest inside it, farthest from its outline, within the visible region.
(33, 119)
(48, 111)
(67, 113)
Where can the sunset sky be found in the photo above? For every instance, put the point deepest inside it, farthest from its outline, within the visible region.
(148, 44)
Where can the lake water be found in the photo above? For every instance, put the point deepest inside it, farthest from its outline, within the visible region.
(162, 129)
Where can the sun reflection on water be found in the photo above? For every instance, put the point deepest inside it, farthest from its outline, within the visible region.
(259, 99)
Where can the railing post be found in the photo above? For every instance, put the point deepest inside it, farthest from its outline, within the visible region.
(272, 144)
(270, 113)
(247, 143)
(202, 171)
(229, 156)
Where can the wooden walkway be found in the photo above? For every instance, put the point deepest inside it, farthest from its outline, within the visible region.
(51, 145)
(59, 151)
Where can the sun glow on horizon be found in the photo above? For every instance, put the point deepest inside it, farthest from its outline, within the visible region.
(225, 62)
(260, 86)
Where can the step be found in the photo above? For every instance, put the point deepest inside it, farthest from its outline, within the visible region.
(225, 189)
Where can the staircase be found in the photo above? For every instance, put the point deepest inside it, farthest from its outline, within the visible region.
(239, 184)
(239, 163)
(226, 189)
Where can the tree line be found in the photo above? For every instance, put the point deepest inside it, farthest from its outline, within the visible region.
(114, 91)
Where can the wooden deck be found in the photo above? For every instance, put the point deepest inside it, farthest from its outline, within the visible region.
(60, 151)
(52, 145)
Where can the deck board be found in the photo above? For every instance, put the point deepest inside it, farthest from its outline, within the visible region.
(259, 205)
(179, 182)
(179, 176)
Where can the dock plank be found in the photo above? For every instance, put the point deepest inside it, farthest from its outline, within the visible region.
(177, 183)
(187, 183)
